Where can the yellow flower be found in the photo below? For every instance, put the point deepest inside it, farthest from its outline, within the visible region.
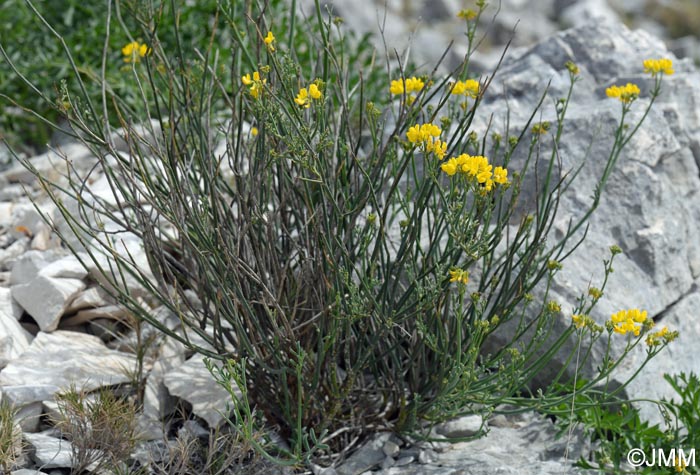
(450, 166)
(438, 147)
(256, 84)
(254, 131)
(414, 84)
(469, 88)
(420, 134)
(256, 90)
(467, 14)
(269, 39)
(585, 321)
(571, 66)
(626, 93)
(656, 66)
(315, 92)
(541, 128)
(134, 51)
(500, 175)
(595, 292)
(409, 86)
(459, 275)
(396, 87)
(654, 339)
(631, 320)
(478, 167)
(302, 98)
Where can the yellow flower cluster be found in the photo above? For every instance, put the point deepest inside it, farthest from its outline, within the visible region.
(425, 136)
(412, 84)
(304, 97)
(269, 39)
(256, 84)
(477, 168)
(134, 51)
(661, 336)
(585, 321)
(421, 133)
(626, 93)
(632, 320)
(409, 86)
(459, 275)
(467, 14)
(469, 88)
(657, 66)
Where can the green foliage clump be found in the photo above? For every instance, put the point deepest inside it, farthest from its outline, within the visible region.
(334, 233)
(617, 429)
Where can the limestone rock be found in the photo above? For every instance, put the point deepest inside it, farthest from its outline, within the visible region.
(13, 338)
(530, 449)
(49, 451)
(650, 206)
(193, 383)
(28, 266)
(62, 358)
(465, 426)
(51, 164)
(46, 298)
(92, 297)
(367, 457)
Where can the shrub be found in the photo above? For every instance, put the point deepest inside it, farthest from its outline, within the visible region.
(100, 426)
(337, 235)
(10, 438)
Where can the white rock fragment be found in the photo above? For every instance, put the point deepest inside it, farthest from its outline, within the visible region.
(465, 426)
(50, 452)
(27, 267)
(92, 297)
(68, 267)
(46, 298)
(193, 383)
(13, 338)
(13, 251)
(62, 358)
(51, 164)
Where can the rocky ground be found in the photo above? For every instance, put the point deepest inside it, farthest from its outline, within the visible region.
(58, 328)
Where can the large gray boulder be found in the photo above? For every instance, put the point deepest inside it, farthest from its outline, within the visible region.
(650, 206)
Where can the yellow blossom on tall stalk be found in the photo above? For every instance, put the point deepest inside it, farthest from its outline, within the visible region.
(421, 133)
(256, 84)
(500, 175)
(426, 136)
(467, 14)
(632, 320)
(269, 40)
(661, 336)
(658, 66)
(315, 92)
(459, 275)
(585, 321)
(626, 93)
(476, 168)
(437, 147)
(304, 97)
(409, 85)
(134, 51)
(468, 88)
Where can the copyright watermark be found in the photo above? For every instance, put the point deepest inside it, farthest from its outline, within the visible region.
(672, 458)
